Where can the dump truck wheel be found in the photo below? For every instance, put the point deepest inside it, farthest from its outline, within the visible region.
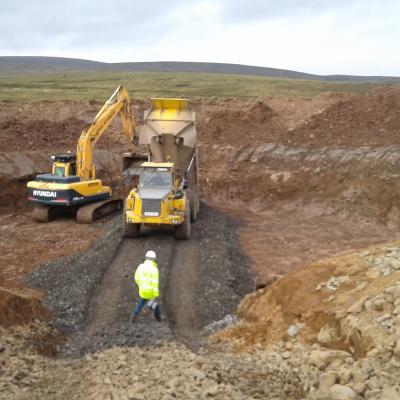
(193, 209)
(129, 230)
(194, 205)
(197, 205)
(182, 231)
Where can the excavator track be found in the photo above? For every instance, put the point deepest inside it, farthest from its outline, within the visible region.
(43, 214)
(89, 213)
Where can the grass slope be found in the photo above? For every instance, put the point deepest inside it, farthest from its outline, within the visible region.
(99, 85)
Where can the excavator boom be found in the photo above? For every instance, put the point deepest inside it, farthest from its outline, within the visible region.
(117, 103)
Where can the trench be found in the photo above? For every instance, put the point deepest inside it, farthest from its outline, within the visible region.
(92, 295)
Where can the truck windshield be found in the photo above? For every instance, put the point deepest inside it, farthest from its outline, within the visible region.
(154, 179)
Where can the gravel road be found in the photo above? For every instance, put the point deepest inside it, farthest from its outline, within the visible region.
(92, 295)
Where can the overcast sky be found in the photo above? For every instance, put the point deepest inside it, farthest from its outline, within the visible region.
(317, 36)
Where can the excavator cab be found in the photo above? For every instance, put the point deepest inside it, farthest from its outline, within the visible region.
(64, 165)
(63, 170)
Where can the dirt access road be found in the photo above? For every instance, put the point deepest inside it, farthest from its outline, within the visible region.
(92, 295)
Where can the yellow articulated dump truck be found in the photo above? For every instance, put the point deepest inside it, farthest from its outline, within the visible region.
(168, 191)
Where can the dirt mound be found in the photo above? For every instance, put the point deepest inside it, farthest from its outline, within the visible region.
(330, 119)
(345, 310)
(236, 122)
(20, 307)
(55, 125)
(371, 119)
(321, 296)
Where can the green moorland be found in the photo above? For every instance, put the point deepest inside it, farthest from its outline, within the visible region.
(99, 84)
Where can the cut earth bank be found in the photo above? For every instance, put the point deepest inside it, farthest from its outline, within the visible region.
(307, 179)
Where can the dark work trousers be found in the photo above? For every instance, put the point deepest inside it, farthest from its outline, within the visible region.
(141, 303)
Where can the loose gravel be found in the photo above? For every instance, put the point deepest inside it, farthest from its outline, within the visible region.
(92, 294)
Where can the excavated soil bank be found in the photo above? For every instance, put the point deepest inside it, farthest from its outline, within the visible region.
(298, 199)
(307, 178)
(92, 294)
(20, 307)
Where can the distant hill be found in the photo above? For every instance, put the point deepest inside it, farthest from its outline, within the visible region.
(58, 64)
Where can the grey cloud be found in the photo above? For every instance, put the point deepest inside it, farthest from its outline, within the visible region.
(77, 27)
(243, 11)
(46, 24)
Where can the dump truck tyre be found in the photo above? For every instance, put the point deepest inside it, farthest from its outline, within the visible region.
(193, 208)
(194, 204)
(182, 231)
(129, 230)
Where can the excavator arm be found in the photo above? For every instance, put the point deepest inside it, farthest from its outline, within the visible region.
(118, 103)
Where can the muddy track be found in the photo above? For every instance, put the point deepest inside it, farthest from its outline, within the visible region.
(201, 281)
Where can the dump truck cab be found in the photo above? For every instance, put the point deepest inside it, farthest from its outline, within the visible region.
(159, 197)
(156, 176)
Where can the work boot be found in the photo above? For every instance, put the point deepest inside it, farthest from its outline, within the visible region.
(157, 314)
(134, 316)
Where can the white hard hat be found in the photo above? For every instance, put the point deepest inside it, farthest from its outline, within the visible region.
(151, 254)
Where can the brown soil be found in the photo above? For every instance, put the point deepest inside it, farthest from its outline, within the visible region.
(49, 133)
(291, 169)
(25, 244)
(371, 119)
(56, 126)
(21, 307)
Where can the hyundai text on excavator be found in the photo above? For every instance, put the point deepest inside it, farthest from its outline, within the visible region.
(167, 193)
(72, 184)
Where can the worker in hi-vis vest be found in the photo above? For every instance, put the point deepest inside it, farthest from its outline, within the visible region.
(146, 277)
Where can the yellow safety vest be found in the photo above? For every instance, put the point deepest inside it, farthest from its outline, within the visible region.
(146, 277)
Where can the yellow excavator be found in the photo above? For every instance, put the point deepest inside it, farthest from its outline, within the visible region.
(72, 185)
